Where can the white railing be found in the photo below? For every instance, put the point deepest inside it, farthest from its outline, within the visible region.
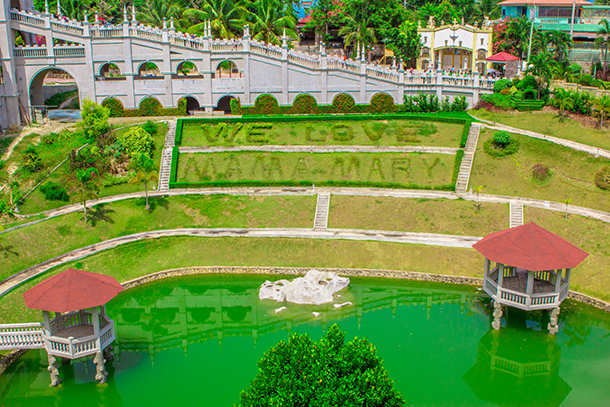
(68, 51)
(522, 300)
(266, 49)
(305, 60)
(70, 320)
(67, 27)
(520, 369)
(227, 45)
(31, 52)
(21, 336)
(27, 18)
(188, 42)
(147, 33)
(458, 81)
(106, 32)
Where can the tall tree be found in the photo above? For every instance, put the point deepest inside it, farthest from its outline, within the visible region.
(561, 43)
(603, 42)
(487, 8)
(543, 68)
(404, 41)
(602, 106)
(358, 32)
(145, 173)
(271, 18)
(227, 17)
(564, 100)
(84, 187)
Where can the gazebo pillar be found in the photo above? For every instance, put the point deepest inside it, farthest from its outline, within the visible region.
(558, 274)
(99, 360)
(500, 273)
(46, 321)
(529, 288)
(487, 263)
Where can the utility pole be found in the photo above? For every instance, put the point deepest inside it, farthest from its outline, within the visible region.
(572, 21)
(529, 48)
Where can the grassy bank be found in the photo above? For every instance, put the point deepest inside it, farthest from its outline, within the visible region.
(573, 172)
(548, 123)
(444, 216)
(377, 132)
(34, 244)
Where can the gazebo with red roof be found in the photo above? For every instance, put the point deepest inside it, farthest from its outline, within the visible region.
(529, 271)
(80, 326)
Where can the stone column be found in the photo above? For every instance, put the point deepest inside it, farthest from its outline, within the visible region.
(553, 327)
(53, 370)
(128, 69)
(10, 97)
(167, 66)
(246, 57)
(497, 322)
(209, 70)
(439, 85)
(101, 373)
(48, 33)
(323, 76)
(401, 83)
(285, 97)
(363, 65)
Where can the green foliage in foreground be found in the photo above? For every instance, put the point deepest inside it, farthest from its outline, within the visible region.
(301, 372)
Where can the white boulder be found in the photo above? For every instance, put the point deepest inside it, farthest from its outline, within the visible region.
(316, 287)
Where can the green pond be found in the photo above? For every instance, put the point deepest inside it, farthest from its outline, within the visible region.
(195, 341)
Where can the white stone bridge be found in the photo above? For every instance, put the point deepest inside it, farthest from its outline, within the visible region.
(87, 52)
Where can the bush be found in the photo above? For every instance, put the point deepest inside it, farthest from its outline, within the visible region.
(502, 84)
(150, 107)
(30, 159)
(54, 192)
(304, 104)
(575, 69)
(501, 138)
(602, 178)
(540, 172)
(529, 82)
(151, 127)
(585, 80)
(382, 103)
(112, 180)
(342, 132)
(95, 119)
(459, 104)
(499, 100)
(491, 148)
(236, 107)
(505, 92)
(343, 103)
(421, 103)
(114, 106)
(329, 372)
(266, 104)
(137, 141)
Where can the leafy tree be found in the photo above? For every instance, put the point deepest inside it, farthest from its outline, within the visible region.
(602, 42)
(442, 11)
(95, 119)
(487, 8)
(602, 105)
(561, 43)
(154, 11)
(564, 101)
(137, 141)
(542, 67)
(145, 173)
(300, 372)
(358, 32)
(324, 14)
(404, 41)
(227, 17)
(84, 187)
(272, 17)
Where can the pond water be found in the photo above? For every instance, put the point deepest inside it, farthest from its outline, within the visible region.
(196, 341)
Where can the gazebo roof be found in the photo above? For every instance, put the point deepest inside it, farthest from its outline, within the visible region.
(502, 57)
(72, 290)
(530, 247)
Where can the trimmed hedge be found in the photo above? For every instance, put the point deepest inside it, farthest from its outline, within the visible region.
(114, 106)
(529, 105)
(465, 132)
(266, 104)
(304, 104)
(456, 167)
(174, 166)
(148, 107)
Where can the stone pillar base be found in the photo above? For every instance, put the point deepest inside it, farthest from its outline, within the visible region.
(553, 327)
(497, 322)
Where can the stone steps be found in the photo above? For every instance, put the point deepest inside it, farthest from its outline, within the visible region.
(463, 178)
(166, 157)
(322, 208)
(516, 214)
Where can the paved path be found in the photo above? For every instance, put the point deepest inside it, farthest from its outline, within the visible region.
(334, 234)
(463, 177)
(596, 151)
(322, 149)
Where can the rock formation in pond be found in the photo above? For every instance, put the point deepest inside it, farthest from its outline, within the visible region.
(316, 287)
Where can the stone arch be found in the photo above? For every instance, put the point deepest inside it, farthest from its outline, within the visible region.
(343, 102)
(147, 70)
(187, 68)
(110, 70)
(224, 103)
(303, 93)
(227, 69)
(35, 87)
(192, 103)
(382, 92)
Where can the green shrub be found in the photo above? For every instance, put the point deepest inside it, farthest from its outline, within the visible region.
(502, 84)
(304, 104)
(236, 107)
(54, 192)
(602, 178)
(529, 82)
(114, 106)
(585, 80)
(151, 127)
(499, 100)
(459, 104)
(493, 150)
(343, 103)
(112, 180)
(95, 119)
(150, 107)
(329, 372)
(30, 159)
(137, 141)
(382, 103)
(501, 138)
(446, 106)
(266, 104)
(575, 69)
(421, 103)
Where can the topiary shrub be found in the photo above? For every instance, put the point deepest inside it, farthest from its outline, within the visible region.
(149, 107)
(382, 103)
(541, 172)
(114, 106)
(529, 82)
(502, 84)
(602, 178)
(304, 104)
(493, 150)
(266, 104)
(54, 192)
(501, 139)
(328, 372)
(137, 141)
(343, 103)
(236, 107)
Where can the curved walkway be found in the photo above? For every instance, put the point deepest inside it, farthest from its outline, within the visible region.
(335, 234)
(596, 151)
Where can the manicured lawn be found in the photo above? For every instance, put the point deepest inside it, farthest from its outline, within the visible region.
(572, 176)
(36, 201)
(378, 132)
(427, 170)
(140, 258)
(445, 216)
(28, 246)
(593, 236)
(548, 123)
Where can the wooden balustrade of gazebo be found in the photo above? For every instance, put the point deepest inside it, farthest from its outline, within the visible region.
(532, 270)
(80, 326)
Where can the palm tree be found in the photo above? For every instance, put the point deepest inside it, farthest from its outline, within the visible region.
(603, 41)
(84, 187)
(356, 32)
(562, 43)
(517, 35)
(564, 100)
(145, 173)
(487, 8)
(602, 105)
(75, 9)
(227, 17)
(543, 68)
(155, 11)
(564, 72)
(272, 17)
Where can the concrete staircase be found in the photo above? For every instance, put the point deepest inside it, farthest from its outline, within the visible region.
(471, 145)
(322, 207)
(166, 157)
(516, 214)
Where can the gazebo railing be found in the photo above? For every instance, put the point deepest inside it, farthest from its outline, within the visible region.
(520, 369)
(71, 319)
(78, 347)
(21, 336)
